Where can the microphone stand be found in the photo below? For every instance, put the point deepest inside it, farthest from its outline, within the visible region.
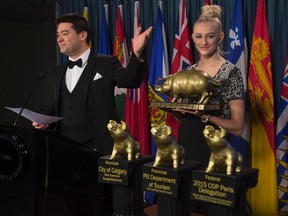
(28, 97)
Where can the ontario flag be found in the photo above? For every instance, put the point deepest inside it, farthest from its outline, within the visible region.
(264, 198)
(182, 54)
(104, 46)
(120, 50)
(136, 105)
(237, 54)
(282, 146)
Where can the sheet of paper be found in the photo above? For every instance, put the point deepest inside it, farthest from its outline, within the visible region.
(35, 117)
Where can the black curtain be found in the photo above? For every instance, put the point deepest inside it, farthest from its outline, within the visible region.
(276, 18)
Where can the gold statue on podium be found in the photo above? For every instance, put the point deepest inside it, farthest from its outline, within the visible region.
(125, 146)
(223, 156)
(168, 153)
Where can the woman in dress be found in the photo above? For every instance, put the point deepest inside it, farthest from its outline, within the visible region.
(229, 94)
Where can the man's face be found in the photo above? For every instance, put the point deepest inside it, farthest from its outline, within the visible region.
(68, 39)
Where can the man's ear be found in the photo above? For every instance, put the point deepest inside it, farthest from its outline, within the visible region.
(83, 35)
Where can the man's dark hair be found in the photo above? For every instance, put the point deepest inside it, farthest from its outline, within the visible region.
(79, 24)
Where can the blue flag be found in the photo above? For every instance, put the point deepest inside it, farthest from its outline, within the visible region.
(237, 54)
(158, 69)
(104, 46)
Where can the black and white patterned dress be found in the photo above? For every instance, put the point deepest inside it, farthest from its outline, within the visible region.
(190, 134)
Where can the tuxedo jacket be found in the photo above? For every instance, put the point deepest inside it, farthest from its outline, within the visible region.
(95, 102)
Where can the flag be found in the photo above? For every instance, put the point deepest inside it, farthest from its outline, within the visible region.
(136, 106)
(120, 45)
(237, 54)
(264, 199)
(158, 68)
(182, 54)
(104, 46)
(136, 22)
(207, 2)
(120, 50)
(282, 146)
(85, 15)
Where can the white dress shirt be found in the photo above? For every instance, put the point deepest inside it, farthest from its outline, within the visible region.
(74, 74)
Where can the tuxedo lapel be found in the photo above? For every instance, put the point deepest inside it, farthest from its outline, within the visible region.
(60, 76)
(89, 73)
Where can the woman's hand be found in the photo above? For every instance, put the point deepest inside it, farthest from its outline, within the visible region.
(200, 114)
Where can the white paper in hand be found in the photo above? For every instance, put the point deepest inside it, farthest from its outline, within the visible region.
(35, 117)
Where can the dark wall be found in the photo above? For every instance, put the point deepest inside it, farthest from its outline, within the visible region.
(28, 49)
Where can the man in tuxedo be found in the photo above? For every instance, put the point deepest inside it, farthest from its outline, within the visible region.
(83, 88)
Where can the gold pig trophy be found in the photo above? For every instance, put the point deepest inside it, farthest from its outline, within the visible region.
(223, 156)
(169, 153)
(193, 84)
(125, 146)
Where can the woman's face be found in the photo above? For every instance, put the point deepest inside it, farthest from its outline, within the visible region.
(206, 38)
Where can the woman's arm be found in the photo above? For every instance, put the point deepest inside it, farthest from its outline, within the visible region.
(234, 125)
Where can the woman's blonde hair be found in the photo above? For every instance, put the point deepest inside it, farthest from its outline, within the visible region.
(211, 13)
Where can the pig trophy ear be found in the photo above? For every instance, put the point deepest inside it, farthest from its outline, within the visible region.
(123, 125)
(223, 132)
(169, 130)
(110, 124)
(154, 126)
(158, 84)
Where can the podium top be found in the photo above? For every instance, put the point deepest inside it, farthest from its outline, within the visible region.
(49, 134)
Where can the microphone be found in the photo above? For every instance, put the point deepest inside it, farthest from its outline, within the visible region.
(41, 76)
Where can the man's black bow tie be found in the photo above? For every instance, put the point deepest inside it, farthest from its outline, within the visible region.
(71, 64)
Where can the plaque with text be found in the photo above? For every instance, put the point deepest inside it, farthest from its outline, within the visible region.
(214, 188)
(165, 180)
(117, 171)
(187, 106)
